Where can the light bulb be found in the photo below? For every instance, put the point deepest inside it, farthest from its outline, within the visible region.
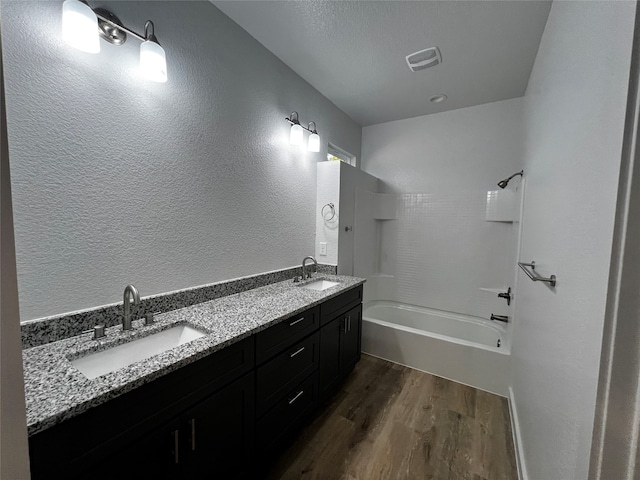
(153, 61)
(296, 134)
(80, 26)
(314, 143)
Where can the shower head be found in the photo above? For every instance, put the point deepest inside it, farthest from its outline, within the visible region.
(505, 182)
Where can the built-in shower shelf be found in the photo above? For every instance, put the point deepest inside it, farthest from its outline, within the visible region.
(502, 206)
(381, 275)
(494, 290)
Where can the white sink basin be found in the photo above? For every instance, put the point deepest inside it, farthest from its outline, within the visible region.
(106, 361)
(320, 285)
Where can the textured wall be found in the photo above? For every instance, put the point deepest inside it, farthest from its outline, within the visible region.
(440, 250)
(574, 116)
(118, 180)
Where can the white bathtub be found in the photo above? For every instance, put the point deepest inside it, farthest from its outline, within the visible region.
(458, 347)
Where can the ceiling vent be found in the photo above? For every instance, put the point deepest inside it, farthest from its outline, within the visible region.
(429, 57)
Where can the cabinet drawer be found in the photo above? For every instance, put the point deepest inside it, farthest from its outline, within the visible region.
(287, 414)
(278, 376)
(340, 304)
(275, 339)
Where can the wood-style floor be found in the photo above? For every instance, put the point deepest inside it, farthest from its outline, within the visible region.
(392, 422)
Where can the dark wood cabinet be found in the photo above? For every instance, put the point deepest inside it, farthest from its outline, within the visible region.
(279, 375)
(212, 438)
(217, 433)
(154, 455)
(273, 340)
(339, 349)
(350, 340)
(287, 415)
(217, 417)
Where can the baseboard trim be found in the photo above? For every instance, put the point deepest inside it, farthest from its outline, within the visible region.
(517, 438)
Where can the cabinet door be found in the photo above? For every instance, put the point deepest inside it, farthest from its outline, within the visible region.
(218, 432)
(350, 340)
(156, 455)
(329, 370)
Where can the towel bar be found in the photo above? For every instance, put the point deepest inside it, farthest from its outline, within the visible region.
(534, 276)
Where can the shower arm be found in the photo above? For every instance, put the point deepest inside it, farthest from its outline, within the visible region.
(521, 173)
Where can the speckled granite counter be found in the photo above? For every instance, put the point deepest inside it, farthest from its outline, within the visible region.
(56, 391)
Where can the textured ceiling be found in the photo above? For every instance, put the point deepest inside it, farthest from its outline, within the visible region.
(354, 52)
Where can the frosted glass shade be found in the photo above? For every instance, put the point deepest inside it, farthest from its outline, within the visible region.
(296, 135)
(314, 143)
(153, 62)
(80, 26)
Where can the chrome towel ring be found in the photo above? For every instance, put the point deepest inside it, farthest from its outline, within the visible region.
(332, 210)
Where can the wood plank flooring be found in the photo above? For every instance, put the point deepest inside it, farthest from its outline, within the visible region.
(392, 422)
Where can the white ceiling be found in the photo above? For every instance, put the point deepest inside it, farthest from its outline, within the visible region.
(354, 52)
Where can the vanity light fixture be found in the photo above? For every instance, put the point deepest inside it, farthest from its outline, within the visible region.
(82, 26)
(297, 130)
(295, 137)
(153, 62)
(314, 139)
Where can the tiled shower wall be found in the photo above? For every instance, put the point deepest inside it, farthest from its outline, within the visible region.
(441, 251)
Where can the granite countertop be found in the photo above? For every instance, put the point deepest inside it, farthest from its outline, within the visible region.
(56, 391)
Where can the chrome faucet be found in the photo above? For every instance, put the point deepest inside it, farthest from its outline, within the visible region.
(500, 318)
(304, 266)
(506, 295)
(129, 291)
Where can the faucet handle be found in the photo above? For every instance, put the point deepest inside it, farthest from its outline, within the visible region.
(98, 332)
(149, 318)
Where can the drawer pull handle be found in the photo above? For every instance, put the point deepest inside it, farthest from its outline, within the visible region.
(297, 321)
(298, 395)
(176, 446)
(296, 352)
(349, 322)
(193, 434)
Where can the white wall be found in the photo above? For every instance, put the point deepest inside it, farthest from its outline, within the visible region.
(327, 225)
(441, 251)
(352, 180)
(466, 149)
(574, 116)
(337, 184)
(117, 180)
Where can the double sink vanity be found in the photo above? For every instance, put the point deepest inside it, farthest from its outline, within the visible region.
(207, 391)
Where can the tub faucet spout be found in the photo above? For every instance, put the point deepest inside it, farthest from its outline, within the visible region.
(500, 318)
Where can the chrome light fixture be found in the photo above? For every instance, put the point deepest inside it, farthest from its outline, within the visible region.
(82, 26)
(297, 131)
